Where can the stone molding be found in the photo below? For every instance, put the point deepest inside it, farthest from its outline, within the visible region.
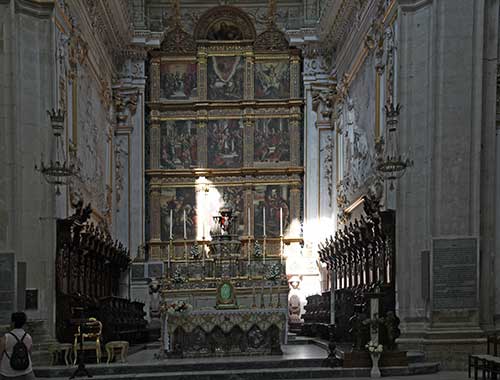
(413, 5)
(36, 8)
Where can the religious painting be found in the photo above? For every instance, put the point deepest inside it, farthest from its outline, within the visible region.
(234, 197)
(271, 140)
(178, 80)
(225, 143)
(178, 213)
(224, 30)
(178, 144)
(271, 210)
(272, 80)
(225, 78)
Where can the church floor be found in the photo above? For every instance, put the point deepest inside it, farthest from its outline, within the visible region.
(300, 361)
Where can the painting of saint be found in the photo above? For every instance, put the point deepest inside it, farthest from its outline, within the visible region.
(177, 201)
(271, 140)
(272, 198)
(272, 80)
(178, 81)
(178, 144)
(224, 30)
(225, 143)
(225, 78)
(234, 197)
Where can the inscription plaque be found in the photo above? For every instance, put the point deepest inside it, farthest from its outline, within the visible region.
(455, 274)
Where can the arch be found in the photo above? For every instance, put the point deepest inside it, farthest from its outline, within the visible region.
(225, 23)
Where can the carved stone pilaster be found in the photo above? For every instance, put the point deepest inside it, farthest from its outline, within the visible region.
(155, 223)
(155, 80)
(248, 146)
(202, 73)
(294, 203)
(295, 121)
(202, 137)
(154, 145)
(249, 77)
(295, 76)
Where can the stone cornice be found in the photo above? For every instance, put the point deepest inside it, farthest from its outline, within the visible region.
(36, 8)
(413, 5)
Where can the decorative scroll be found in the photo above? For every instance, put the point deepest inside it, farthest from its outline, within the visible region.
(272, 80)
(272, 140)
(272, 39)
(225, 78)
(178, 148)
(225, 143)
(178, 80)
(225, 23)
(273, 198)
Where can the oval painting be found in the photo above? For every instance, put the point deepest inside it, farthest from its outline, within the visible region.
(225, 291)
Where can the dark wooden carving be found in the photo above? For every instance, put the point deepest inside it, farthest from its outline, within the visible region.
(89, 265)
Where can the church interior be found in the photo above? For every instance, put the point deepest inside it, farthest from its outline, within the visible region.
(252, 189)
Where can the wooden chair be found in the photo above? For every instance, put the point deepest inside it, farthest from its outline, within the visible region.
(91, 336)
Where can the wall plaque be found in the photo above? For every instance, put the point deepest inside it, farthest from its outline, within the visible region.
(7, 286)
(455, 273)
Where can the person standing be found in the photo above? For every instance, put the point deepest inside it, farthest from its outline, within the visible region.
(15, 351)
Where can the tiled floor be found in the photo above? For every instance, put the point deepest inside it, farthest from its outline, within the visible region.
(444, 375)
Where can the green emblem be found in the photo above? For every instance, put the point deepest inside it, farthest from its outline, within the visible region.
(225, 292)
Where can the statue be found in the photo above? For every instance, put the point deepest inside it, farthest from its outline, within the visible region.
(154, 301)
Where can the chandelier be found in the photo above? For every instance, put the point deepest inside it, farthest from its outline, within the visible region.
(58, 170)
(391, 165)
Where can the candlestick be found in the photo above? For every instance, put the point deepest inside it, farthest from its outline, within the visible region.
(171, 213)
(248, 214)
(264, 251)
(185, 234)
(264, 221)
(281, 221)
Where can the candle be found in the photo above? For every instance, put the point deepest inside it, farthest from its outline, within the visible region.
(281, 221)
(264, 220)
(171, 212)
(248, 221)
(185, 234)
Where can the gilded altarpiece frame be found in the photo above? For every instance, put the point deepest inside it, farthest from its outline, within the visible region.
(228, 111)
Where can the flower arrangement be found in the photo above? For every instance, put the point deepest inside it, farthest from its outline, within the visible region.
(257, 250)
(178, 278)
(194, 252)
(374, 348)
(179, 307)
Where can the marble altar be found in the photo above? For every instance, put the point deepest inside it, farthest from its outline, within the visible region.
(214, 332)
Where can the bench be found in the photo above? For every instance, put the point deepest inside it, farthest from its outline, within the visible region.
(489, 363)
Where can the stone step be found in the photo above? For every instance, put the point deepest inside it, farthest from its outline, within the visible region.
(269, 373)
